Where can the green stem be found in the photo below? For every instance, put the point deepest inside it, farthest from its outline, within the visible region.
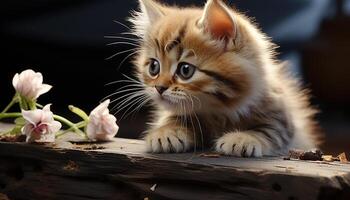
(64, 120)
(70, 124)
(79, 112)
(39, 105)
(10, 115)
(32, 105)
(78, 125)
(23, 103)
(13, 102)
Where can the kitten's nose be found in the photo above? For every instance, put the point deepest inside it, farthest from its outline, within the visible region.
(161, 88)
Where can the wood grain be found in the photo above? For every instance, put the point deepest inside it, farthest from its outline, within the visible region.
(122, 170)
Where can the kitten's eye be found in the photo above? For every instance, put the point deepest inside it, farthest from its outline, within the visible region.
(185, 70)
(154, 67)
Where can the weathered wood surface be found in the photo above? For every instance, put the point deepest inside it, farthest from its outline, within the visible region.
(121, 170)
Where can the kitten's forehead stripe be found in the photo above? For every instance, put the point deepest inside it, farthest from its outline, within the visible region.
(158, 44)
(177, 42)
(189, 54)
(172, 44)
(180, 52)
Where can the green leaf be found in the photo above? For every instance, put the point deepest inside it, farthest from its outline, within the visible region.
(20, 121)
(17, 130)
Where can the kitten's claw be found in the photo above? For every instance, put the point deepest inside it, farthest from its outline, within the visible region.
(165, 140)
(241, 144)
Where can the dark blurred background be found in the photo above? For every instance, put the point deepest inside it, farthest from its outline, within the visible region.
(65, 41)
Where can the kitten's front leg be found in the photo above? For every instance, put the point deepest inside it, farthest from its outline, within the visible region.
(169, 138)
(253, 143)
(241, 144)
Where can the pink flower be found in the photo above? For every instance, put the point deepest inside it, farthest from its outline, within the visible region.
(29, 84)
(102, 126)
(40, 125)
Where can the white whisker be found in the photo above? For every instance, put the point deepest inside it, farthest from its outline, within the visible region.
(126, 101)
(122, 91)
(131, 54)
(119, 42)
(141, 102)
(124, 96)
(136, 85)
(119, 37)
(130, 105)
(122, 81)
(118, 53)
(124, 25)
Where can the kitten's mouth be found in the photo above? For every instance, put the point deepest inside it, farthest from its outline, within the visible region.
(167, 100)
(171, 102)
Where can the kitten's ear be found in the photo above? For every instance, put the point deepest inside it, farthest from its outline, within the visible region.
(151, 10)
(218, 20)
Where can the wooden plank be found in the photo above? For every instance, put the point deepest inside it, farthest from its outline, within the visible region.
(122, 170)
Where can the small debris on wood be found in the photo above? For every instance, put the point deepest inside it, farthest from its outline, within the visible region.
(295, 153)
(13, 138)
(62, 144)
(328, 158)
(315, 155)
(342, 158)
(287, 168)
(210, 155)
(134, 142)
(71, 166)
(89, 147)
(94, 147)
(153, 188)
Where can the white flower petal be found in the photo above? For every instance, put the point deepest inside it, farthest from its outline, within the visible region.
(47, 115)
(32, 116)
(50, 137)
(43, 89)
(30, 84)
(102, 125)
(38, 77)
(15, 80)
(55, 126)
(27, 129)
(47, 107)
(91, 130)
(101, 108)
(40, 125)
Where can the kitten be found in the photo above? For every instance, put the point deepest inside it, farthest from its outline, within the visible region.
(214, 80)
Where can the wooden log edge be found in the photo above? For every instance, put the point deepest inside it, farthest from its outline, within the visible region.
(121, 170)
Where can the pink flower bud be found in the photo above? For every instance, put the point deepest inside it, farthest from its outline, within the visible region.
(29, 84)
(102, 126)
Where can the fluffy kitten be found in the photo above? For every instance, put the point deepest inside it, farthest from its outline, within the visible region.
(214, 80)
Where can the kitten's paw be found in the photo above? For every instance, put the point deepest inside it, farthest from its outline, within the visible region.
(241, 144)
(167, 140)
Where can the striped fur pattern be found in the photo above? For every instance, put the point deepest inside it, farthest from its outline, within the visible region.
(239, 101)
